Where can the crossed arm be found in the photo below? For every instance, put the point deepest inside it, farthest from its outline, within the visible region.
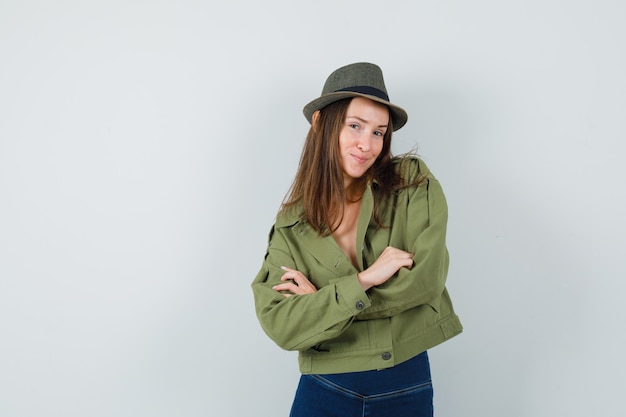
(396, 281)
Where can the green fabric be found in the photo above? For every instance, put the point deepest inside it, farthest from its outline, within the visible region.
(341, 328)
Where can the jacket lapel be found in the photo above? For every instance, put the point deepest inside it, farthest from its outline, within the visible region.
(365, 216)
(326, 251)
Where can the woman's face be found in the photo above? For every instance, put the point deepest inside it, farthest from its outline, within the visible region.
(361, 137)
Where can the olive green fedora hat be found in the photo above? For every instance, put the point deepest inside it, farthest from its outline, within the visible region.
(356, 80)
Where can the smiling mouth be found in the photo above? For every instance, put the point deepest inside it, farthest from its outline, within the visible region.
(359, 159)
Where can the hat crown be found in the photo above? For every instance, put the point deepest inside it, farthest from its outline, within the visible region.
(362, 79)
(359, 77)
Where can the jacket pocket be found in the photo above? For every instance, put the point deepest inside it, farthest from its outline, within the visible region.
(435, 304)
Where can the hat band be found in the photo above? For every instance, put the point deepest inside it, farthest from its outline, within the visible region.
(365, 89)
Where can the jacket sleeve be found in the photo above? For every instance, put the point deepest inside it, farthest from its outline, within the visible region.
(425, 281)
(300, 322)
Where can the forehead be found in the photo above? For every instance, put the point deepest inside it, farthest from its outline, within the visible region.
(368, 110)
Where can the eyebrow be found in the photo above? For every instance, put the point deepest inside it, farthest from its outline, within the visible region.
(364, 121)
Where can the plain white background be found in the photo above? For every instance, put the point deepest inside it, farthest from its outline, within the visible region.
(145, 147)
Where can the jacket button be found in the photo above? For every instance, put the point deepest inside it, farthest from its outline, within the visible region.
(360, 305)
(386, 356)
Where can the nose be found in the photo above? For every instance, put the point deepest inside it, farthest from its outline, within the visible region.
(363, 145)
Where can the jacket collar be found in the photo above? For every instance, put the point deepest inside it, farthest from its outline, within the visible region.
(325, 249)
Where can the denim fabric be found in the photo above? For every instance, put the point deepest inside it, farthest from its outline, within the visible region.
(402, 391)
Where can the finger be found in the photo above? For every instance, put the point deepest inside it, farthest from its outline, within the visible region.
(288, 279)
(403, 254)
(400, 252)
(289, 273)
(407, 263)
(298, 279)
(288, 286)
(305, 286)
(296, 276)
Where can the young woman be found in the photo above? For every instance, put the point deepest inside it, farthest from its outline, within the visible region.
(355, 270)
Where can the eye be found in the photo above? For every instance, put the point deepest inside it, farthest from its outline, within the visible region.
(354, 125)
(379, 133)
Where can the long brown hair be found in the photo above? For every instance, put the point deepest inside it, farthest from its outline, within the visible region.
(319, 185)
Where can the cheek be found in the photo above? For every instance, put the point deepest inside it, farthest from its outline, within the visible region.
(377, 149)
(343, 141)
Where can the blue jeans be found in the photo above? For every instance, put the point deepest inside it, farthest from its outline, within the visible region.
(402, 391)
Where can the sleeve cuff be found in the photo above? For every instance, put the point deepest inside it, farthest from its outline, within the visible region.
(351, 294)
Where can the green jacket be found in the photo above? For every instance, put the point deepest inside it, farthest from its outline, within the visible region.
(341, 328)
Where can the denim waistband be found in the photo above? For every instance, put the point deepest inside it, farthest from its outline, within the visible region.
(411, 373)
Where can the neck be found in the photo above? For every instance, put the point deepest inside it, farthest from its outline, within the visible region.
(354, 191)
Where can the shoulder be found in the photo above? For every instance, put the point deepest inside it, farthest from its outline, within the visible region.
(289, 217)
(282, 230)
(412, 169)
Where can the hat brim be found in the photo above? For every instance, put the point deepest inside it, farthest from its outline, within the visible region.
(399, 117)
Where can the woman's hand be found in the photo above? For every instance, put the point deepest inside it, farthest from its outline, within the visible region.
(294, 282)
(387, 264)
